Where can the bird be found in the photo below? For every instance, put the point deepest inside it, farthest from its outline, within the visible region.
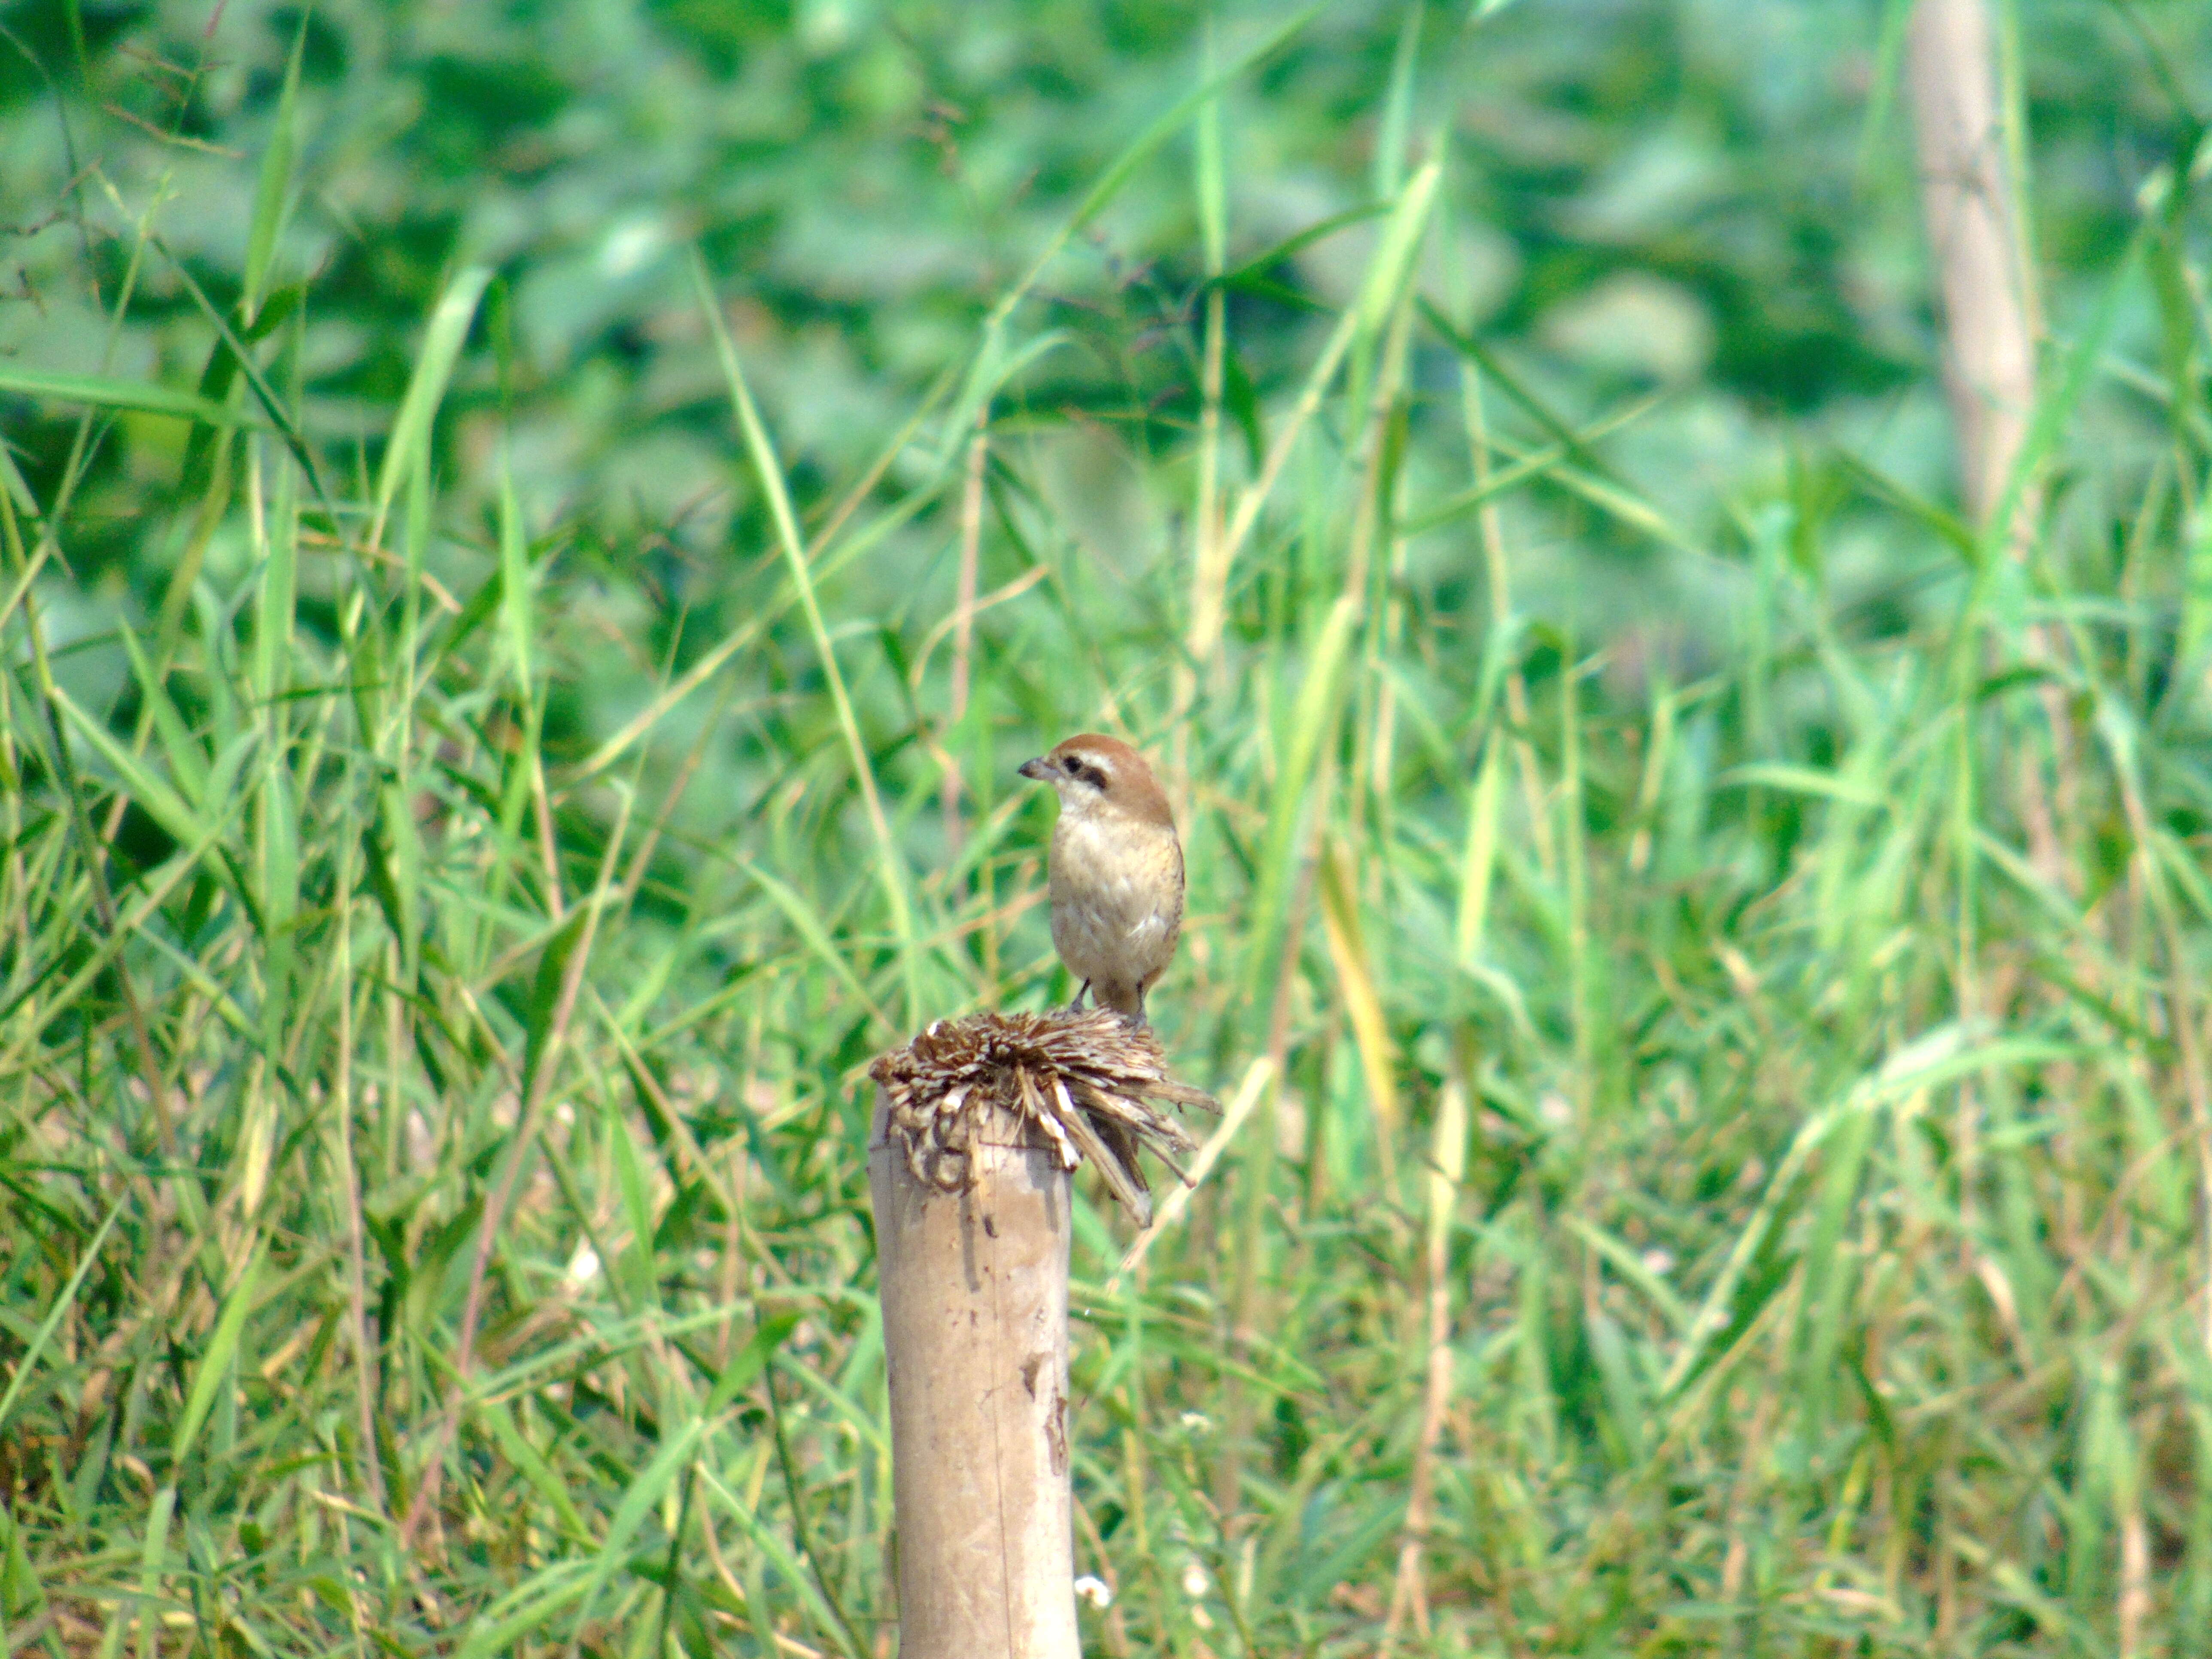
(1115, 871)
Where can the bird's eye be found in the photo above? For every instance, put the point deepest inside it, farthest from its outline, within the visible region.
(1088, 773)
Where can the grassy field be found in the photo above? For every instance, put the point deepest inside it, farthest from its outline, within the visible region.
(1708, 956)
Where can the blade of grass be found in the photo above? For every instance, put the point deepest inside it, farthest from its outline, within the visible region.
(28, 1365)
(407, 446)
(102, 391)
(215, 1363)
(890, 863)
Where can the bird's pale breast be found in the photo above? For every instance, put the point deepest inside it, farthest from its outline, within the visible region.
(1116, 888)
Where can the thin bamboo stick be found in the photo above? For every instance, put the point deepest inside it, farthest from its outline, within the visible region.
(1968, 197)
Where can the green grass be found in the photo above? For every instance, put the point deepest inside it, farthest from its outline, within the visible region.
(432, 1189)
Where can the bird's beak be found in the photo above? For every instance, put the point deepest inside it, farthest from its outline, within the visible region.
(1040, 769)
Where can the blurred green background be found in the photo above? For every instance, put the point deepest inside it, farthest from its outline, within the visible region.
(1714, 955)
(1709, 203)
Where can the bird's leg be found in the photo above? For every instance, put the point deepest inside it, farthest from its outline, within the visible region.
(1081, 991)
(1142, 1020)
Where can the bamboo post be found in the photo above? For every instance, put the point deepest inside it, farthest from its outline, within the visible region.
(974, 1294)
(978, 1126)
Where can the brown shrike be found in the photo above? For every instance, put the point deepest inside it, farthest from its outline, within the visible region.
(1115, 870)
